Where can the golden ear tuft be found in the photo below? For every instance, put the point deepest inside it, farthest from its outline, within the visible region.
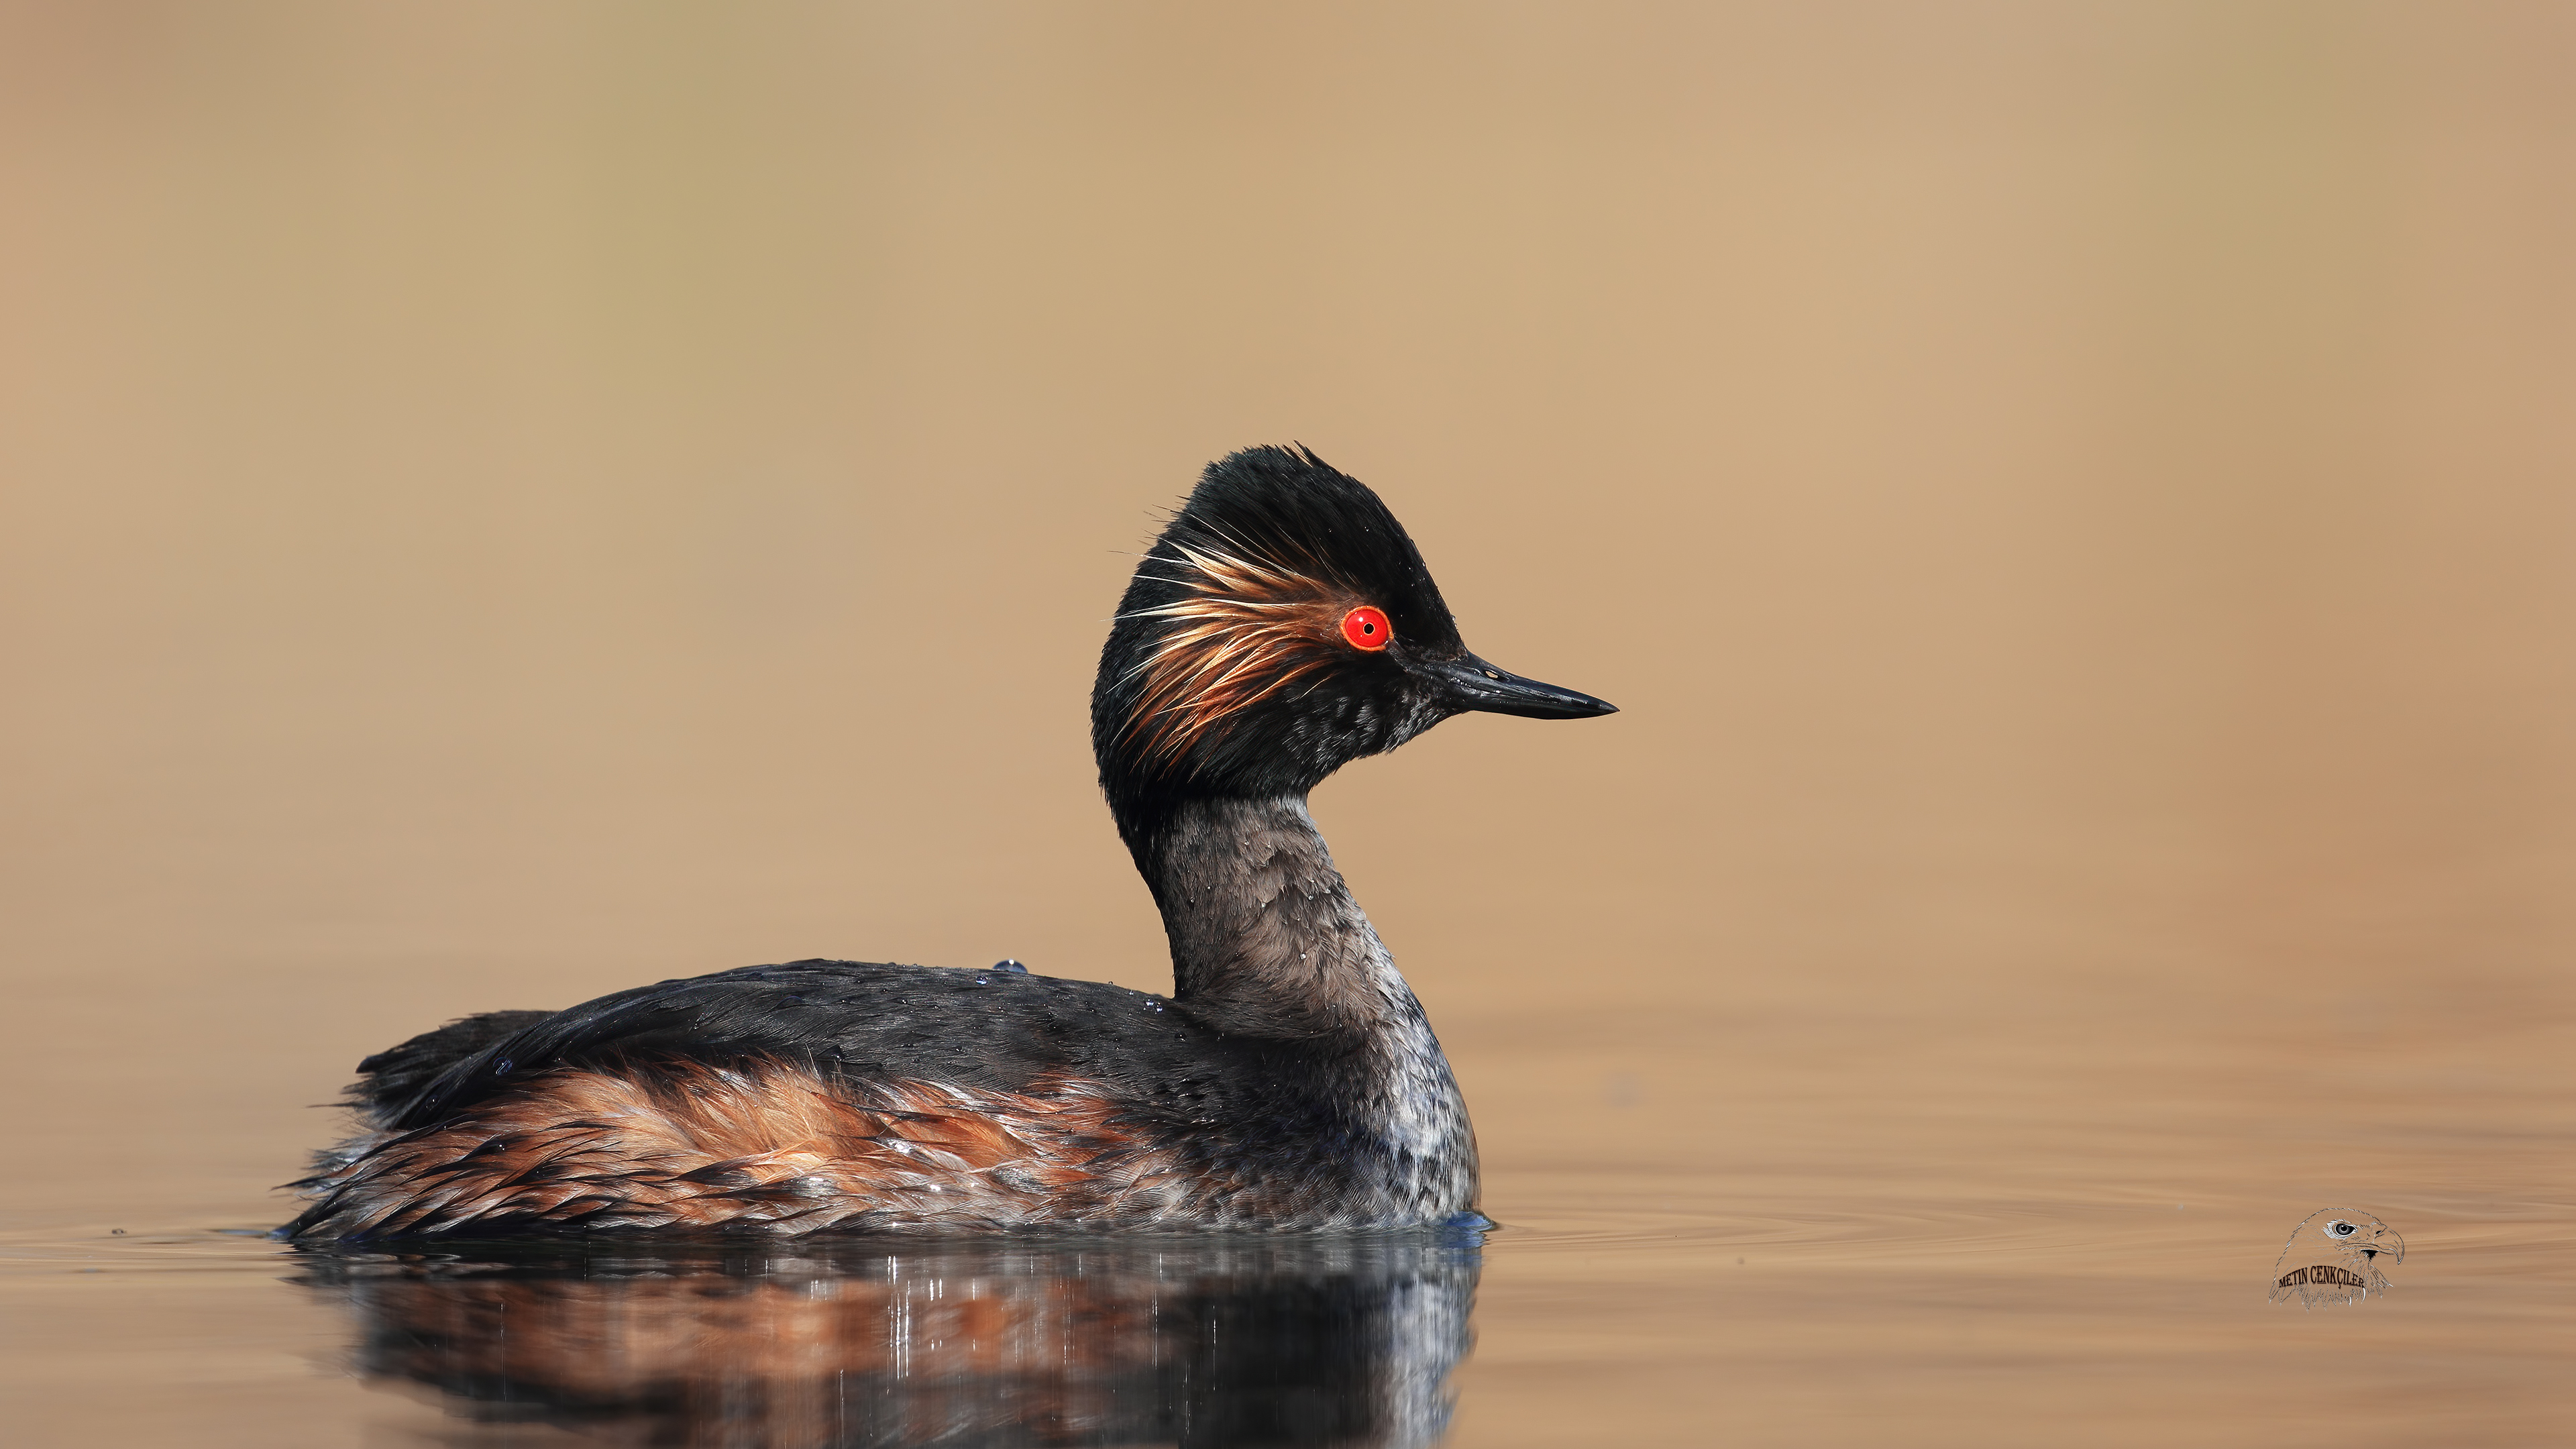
(1248, 629)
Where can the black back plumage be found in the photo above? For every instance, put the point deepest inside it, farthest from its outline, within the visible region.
(862, 1024)
(853, 1019)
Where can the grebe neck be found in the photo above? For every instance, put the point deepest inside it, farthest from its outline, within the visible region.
(1264, 934)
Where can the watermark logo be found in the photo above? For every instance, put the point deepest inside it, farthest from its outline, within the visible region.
(2335, 1256)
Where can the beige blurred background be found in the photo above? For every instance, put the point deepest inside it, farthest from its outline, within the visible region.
(501, 503)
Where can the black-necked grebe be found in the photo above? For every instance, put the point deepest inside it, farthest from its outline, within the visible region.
(1282, 626)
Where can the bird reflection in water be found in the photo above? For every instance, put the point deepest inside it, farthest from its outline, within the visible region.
(1344, 1340)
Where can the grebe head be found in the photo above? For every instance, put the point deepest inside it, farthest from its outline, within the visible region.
(1283, 626)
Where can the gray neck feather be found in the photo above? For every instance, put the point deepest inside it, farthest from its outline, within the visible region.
(1267, 941)
(1262, 926)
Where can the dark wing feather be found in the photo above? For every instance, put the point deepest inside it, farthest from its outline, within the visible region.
(849, 1020)
(395, 1075)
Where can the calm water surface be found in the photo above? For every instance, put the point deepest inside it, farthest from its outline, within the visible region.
(1864, 1253)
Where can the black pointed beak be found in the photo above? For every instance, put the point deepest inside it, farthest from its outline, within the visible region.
(1476, 685)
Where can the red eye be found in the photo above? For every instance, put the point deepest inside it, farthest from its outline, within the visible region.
(1367, 628)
